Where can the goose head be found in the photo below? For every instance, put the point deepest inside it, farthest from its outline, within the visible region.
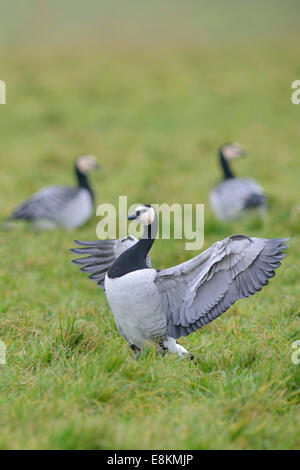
(87, 163)
(145, 214)
(232, 151)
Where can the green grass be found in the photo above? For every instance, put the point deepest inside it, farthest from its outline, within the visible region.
(155, 117)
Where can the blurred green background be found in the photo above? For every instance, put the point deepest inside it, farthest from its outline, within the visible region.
(152, 89)
(136, 22)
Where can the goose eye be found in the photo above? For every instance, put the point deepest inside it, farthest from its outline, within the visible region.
(138, 213)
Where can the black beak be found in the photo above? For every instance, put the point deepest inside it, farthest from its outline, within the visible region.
(132, 217)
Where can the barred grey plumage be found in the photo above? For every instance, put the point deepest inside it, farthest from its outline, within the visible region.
(198, 291)
(235, 197)
(164, 305)
(61, 206)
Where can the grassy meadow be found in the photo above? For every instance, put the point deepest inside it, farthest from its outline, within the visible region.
(154, 113)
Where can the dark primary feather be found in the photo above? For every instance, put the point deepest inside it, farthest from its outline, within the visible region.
(199, 290)
(255, 200)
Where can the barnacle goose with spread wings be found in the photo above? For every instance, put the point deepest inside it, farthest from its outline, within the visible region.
(161, 306)
(61, 206)
(235, 197)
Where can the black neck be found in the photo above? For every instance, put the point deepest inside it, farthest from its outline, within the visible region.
(226, 168)
(135, 257)
(83, 181)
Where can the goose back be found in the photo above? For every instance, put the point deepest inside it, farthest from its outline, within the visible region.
(233, 197)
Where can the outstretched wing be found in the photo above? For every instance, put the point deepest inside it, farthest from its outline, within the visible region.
(46, 203)
(101, 256)
(196, 292)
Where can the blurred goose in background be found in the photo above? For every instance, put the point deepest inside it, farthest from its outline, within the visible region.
(235, 197)
(161, 306)
(61, 206)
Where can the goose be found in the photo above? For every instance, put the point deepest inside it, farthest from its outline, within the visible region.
(235, 197)
(61, 206)
(153, 306)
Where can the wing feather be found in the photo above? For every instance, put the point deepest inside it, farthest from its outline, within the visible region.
(101, 256)
(196, 292)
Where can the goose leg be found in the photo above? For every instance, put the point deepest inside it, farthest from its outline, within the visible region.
(136, 350)
(182, 352)
(176, 348)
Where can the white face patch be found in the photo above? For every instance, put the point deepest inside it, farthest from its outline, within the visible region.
(147, 215)
(87, 163)
(232, 151)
